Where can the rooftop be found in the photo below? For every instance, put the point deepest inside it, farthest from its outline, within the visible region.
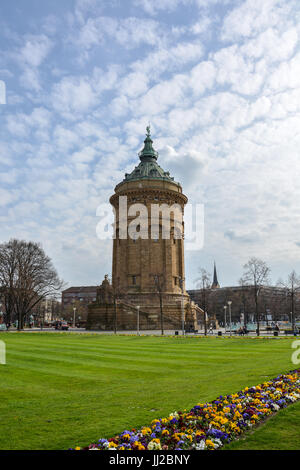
(148, 167)
(80, 289)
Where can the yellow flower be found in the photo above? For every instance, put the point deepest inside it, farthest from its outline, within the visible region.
(146, 431)
(139, 446)
(210, 443)
(112, 444)
(155, 421)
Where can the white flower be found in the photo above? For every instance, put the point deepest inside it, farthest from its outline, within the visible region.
(275, 406)
(154, 446)
(200, 445)
(217, 442)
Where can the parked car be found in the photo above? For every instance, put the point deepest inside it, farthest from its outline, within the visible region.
(2, 327)
(61, 325)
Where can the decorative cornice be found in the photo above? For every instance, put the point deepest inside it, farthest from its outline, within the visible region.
(155, 195)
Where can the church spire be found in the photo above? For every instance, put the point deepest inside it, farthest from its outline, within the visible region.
(215, 284)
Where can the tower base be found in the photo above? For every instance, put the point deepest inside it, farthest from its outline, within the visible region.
(125, 316)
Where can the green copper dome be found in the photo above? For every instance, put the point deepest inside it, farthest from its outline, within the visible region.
(148, 167)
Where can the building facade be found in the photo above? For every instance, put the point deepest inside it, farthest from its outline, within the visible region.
(45, 311)
(274, 303)
(78, 298)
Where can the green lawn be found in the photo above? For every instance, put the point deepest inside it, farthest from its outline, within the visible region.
(59, 390)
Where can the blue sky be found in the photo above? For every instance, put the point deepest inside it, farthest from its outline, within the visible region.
(219, 82)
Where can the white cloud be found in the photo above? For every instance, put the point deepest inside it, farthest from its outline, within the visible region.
(65, 139)
(21, 124)
(9, 177)
(252, 17)
(87, 154)
(30, 79)
(271, 45)
(224, 119)
(202, 77)
(286, 76)
(106, 80)
(30, 57)
(163, 95)
(6, 197)
(128, 32)
(169, 59)
(237, 71)
(73, 95)
(84, 8)
(134, 84)
(201, 26)
(35, 50)
(153, 7)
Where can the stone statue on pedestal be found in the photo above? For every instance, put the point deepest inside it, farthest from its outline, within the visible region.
(105, 293)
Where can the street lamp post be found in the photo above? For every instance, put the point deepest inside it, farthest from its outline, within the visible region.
(229, 308)
(74, 317)
(225, 308)
(138, 320)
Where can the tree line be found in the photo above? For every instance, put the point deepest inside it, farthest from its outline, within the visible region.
(27, 276)
(252, 297)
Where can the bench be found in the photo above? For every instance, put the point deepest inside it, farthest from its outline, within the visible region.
(237, 332)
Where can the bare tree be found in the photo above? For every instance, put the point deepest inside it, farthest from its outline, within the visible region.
(246, 300)
(160, 285)
(256, 274)
(204, 283)
(81, 310)
(8, 270)
(291, 287)
(26, 276)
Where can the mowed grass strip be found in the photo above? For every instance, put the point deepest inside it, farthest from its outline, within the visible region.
(61, 390)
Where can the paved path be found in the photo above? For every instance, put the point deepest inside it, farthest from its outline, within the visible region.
(142, 332)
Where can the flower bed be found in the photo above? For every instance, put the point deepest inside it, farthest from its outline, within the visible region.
(209, 426)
